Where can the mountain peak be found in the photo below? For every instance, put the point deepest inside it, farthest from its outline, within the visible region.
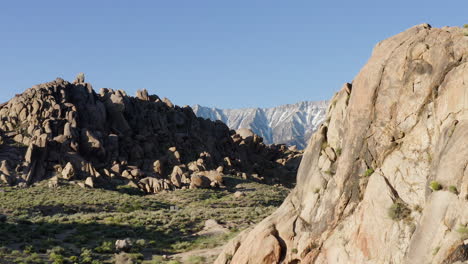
(290, 124)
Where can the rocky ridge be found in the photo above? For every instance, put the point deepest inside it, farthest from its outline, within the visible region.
(385, 178)
(67, 132)
(291, 124)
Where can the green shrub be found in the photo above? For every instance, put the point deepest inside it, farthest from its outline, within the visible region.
(196, 260)
(74, 259)
(28, 249)
(105, 247)
(398, 211)
(324, 145)
(368, 172)
(435, 186)
(453, 189)
(338, 152)
(86, 255)
(465, 26)
(141, 243)
(463, 230)
(436, 250)
(294, 250)
(56, 258)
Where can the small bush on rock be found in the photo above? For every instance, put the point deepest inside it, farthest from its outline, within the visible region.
(463, 230)
(453, 189)
(435, 186)
(368, 172)
(398, 211)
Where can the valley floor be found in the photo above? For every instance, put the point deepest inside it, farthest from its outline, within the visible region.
(70, 224)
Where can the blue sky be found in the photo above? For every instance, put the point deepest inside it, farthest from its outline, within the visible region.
(219, 53)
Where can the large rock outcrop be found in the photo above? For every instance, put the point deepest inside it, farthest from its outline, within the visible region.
(363, 188)
(68, 130)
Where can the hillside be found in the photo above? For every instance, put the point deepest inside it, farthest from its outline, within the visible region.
(385, 178)
(291, 124)
(63, 130)
(81, 171)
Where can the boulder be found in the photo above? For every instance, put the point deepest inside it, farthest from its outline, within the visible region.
(176, 176)
(53, 182)
(124, 258)
(199, 181)
(80, 78)
(89, 182)
(154, 185)
(239, 194)
(123, 245)
(157, 167)
(245, 133)
(68, 172)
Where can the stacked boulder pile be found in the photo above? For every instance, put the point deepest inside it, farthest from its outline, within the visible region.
(62, 130)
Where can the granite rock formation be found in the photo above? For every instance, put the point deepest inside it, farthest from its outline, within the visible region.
(385, 178)
(63, 130)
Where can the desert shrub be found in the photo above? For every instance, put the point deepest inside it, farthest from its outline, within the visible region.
(324, 145)
(463, 230)
(294, 250)
(74, 259)
(141, 243)
(368, 172)
(86, 256)
(338, 152)
(398, 211)
(435, 186)
(196, 260)
(435, 251)
(105, 247)
(453, 189)
(418, 208)
(56, 258)
(34, 258)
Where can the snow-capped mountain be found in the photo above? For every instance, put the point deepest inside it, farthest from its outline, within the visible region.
(291, 124)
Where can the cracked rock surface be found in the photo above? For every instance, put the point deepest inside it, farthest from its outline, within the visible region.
(362, 193)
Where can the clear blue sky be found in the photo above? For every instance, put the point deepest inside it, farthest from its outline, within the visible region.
(212, 52)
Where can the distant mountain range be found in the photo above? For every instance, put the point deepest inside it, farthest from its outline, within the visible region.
(291, 124)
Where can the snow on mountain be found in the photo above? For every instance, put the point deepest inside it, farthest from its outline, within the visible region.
(291, 124)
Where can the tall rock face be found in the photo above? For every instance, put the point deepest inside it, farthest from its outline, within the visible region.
(69, 131)
(385, 178)
(291, 124)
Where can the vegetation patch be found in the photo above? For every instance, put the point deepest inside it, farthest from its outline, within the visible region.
(435, 186)
(70, 224)
(399, 211)
(453, 189)
(338, 151)
(463, 231)
(368, 172)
